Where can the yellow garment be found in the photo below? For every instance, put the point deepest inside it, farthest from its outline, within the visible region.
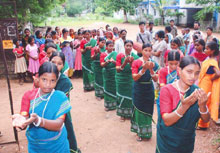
(69, 39)
(70, 73)
(208, 85)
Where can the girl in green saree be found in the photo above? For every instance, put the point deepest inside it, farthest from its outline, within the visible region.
(181, 105)
(86, 45)
(64, 84)
(144, 72)
(108, 62)
(124, 81)
(97, 69)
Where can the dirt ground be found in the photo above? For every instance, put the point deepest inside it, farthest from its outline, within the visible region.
(97, 131)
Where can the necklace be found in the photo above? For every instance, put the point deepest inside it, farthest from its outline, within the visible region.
(178, 88)
(38, 93)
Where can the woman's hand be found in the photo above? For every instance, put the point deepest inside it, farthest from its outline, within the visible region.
(131, 59)
(151, 65)
(127, 60)
(97, 50)
(148, 65)
(190, 100)
(88, 47)
(202, 98)
(18, 121)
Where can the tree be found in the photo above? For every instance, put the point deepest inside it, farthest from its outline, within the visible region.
(159, 4)
(209, 6)
(74, 7)
(117, 5)
(34, 11)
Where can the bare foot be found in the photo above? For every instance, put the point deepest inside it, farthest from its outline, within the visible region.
(139, 139)
(98, 98)
(106, 109)
(122, 119)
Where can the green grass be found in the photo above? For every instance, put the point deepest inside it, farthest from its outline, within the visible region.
(78, 21)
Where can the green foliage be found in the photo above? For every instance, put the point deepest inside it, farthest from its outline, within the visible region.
(209, 6)
(34, 11)
(74, 7)
(117, 5)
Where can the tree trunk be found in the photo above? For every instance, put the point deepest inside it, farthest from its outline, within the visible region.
(125, 17)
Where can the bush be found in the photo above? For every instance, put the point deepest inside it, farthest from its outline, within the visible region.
(74, 9)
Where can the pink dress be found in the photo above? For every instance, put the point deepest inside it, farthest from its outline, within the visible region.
(34, 65)
(78, 58)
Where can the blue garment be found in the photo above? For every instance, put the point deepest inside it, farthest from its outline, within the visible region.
(171, 77)
(40, 41)
(41, 140)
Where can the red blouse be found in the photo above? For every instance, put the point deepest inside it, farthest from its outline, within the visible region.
(82, 44)
(169, 99)
(93, 51)
(19, 50)
(41, 48)
(25, 103)
(118, 59)
(135, 66)
(102, 57)
(163, 74)
(199, 56)
(42, 55)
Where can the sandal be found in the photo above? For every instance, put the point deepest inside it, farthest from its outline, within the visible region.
(139, 139)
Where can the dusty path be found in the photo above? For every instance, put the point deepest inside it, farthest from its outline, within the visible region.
(97, 131)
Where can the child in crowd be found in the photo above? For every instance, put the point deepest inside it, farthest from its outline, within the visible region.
(199, 53)
(43, 112)
(32, 51)
(20, 63)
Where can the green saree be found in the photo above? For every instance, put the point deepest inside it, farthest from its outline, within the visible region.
(64, 84)
(179, 137)
(97, 69)
(124, 82)
(88, 76)
(143, 100)
(110, 101)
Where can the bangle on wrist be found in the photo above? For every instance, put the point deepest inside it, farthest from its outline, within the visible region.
(153, 75)
(178, 114)
(203, 113)
(140, 72)
(121, 68)
(38, 122)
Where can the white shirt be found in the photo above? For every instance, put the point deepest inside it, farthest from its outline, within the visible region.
(119, 46)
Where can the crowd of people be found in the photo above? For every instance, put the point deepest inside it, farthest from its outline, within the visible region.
(178, 72)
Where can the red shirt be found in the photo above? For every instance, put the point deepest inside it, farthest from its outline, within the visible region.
(82, 44)
(169, 99)
(118, 59)
(19, 50)
(25, 103)
(102, 57)
(93, 51)
(43, 60)
(163, 74)
(135, 66)
(199, 56)
(42, 55)
(41, 48)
